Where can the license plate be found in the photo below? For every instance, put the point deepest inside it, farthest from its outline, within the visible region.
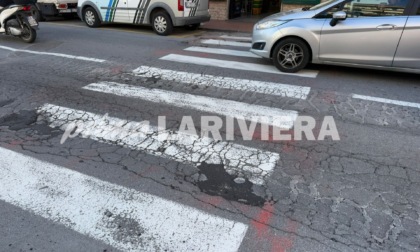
(190, 4)
(32, 21)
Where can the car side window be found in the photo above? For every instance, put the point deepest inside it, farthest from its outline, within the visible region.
(374, 8)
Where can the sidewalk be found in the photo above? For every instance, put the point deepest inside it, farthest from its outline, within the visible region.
(236, 25)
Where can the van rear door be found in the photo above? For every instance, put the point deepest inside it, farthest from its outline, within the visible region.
(193, 8)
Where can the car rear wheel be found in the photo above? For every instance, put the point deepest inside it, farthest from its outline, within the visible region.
(291, 55)
(91, 17)
(162, 23)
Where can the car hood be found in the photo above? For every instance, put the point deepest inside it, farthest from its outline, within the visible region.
(292, 14)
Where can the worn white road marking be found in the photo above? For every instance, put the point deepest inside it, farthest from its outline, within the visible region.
(225, 43)
(222, 51)
(235, 65)
(121, 217)
(53, 54)
(236, 38)
(383, 100)
(270, 88)
(254, 164)
(223, 107)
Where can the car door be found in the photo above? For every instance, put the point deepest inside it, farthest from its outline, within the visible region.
(369, 35)
(115, 11)
(408, 52)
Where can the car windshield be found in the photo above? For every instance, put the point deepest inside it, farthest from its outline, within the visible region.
(316, 7)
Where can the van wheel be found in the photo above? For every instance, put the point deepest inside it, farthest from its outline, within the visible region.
(192, 27)
(162, 23)
(91, 17)
(291, 55)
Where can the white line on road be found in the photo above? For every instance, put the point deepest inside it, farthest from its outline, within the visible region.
(225, 43)
(270, 88)
(383, 100)
(233, 109)
(235, 65)
(102, 210)
(236, 38)
(239, 160)
(222, 51)
(53, 54)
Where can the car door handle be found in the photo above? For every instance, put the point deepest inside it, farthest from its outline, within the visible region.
(386, 27)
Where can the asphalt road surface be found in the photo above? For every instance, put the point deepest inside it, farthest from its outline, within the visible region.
(86, 163)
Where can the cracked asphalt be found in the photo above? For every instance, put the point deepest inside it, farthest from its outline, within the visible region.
(361, 193)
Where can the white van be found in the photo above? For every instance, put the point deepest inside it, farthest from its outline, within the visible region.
(162, 15)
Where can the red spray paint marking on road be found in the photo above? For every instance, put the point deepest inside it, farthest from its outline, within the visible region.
(266, 235)
(209, 202)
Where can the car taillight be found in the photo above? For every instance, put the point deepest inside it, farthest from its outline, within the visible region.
(26, 8)
(180, 5)
(62, 6)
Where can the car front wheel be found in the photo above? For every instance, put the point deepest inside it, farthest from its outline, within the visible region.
(291, 55)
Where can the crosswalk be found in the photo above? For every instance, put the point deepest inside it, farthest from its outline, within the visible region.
(93, 199)
(157, 217)
(36, 186)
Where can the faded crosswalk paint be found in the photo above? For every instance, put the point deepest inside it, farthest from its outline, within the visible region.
(254, 164)
(262, 87)
(236, 38)
(225, 43)
(222, 51)
(235, 65)
(101, 210)
(228, 108)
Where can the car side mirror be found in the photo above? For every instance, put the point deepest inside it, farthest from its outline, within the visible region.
(337, 16)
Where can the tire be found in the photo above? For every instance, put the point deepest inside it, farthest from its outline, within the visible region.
(291, 55)
(192, 27)
(162, 23)
(29, 35)
(91, 18)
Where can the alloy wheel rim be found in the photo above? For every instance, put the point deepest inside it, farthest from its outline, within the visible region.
(160, 24)
(90, 18)
(290, 55)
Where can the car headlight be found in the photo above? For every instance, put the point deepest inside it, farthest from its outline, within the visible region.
(270, 24)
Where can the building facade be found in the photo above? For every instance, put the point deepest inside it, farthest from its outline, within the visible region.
(231, 9)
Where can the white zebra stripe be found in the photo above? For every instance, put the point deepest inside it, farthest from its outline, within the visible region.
(239, 160)
(228, 108)
(97, 208)
(236, 65)
(269, 88)
(222, 51)
(236, 38)
(225, 43)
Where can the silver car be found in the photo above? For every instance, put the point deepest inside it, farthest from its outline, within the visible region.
(380, 34)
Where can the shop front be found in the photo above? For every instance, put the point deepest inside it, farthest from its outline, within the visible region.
(231, 9)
